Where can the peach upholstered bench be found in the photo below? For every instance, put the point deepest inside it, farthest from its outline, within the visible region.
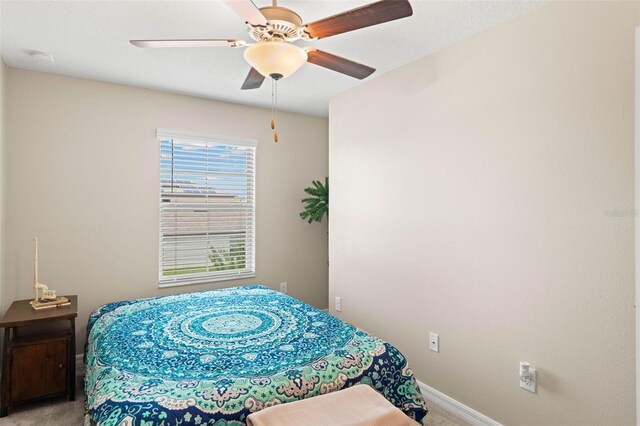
(355, 406)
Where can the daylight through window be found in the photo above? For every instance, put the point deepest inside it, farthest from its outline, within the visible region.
(207, 209)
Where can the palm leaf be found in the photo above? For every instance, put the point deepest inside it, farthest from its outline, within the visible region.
(317, 205)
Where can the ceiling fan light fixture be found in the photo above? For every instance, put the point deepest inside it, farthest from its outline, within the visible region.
(276, 59)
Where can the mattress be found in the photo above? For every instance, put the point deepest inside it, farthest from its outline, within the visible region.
(214, 357)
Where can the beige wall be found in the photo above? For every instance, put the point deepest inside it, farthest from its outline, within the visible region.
(82, 175)
(3, 204)
(486, 193)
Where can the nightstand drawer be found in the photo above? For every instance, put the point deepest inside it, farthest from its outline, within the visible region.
(39, 369)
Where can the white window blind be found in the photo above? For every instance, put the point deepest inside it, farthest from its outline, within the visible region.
(207, 208)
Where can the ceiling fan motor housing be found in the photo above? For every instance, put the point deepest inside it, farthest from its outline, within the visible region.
(282, 22)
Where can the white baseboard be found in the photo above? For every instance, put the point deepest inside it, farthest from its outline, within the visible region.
(458, 408)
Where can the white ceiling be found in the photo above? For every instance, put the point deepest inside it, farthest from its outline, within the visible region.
(89, 39)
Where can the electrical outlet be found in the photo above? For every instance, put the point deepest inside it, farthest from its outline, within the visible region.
(527, 377)
(434, 342)
(284, 288)
(338, 304)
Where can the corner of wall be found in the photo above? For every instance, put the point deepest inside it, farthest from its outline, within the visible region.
(3, 132)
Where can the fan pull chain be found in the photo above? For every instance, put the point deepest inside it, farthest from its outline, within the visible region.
(273, 122)
(274, 108)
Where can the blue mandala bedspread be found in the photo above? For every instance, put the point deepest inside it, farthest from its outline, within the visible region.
(214, 357)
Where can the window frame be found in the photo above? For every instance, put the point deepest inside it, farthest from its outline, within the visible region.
(165, 282)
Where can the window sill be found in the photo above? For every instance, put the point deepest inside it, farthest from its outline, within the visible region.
(195, 281)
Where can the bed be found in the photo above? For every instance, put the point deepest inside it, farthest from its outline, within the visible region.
(214, 357)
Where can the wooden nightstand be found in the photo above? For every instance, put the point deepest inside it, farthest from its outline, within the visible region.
(38, 354)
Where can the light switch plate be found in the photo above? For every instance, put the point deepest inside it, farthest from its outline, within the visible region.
(338, 304)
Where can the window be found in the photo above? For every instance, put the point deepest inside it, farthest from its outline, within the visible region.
(207, 208)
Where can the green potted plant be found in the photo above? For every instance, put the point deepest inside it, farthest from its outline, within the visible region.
(316, 206)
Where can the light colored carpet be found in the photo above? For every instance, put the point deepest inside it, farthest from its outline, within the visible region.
(55, 412)
(438, 416)
(60, 412)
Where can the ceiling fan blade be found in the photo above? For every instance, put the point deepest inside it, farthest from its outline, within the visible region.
(248, 11)
(360, 17)
(189, 43)
(339, 64)
(253, 81)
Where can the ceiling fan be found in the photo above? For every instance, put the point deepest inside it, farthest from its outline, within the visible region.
(274, 28)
